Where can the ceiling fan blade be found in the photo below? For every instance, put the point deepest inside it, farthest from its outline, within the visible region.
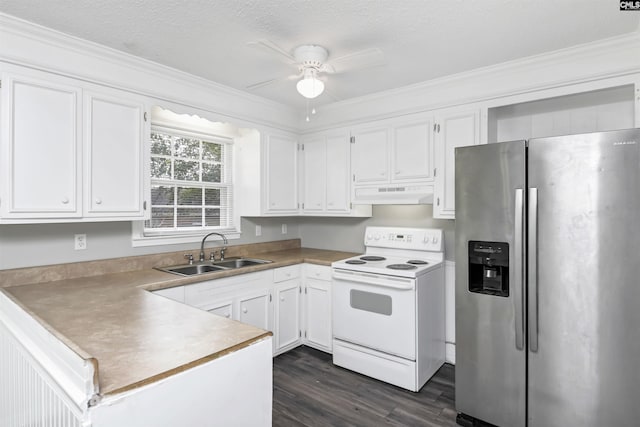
(357, 60)
(272, 81)
(270, 47)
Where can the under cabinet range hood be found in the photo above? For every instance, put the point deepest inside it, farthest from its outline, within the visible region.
(394, 194)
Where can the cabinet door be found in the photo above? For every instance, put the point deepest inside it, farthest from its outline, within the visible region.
(338, 177)
(318, 331)
(287, 314)
(281, 175)
(222, 308)
(370, 156)
(114, 135)
(254, 309)
(412, 156)
(40, 147)
(315, 174)
(454, 128)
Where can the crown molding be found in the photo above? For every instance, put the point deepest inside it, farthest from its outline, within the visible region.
(35, 46)
(603, 59)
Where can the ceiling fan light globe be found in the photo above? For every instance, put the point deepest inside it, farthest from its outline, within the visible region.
(310, 87)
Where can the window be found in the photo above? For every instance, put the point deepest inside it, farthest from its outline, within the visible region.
(191, 183)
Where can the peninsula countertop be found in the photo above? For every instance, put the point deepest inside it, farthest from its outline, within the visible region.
(137, 337)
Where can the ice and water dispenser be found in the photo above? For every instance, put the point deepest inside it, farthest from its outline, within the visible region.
(489, 268)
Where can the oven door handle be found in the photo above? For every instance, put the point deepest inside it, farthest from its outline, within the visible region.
(370, 279)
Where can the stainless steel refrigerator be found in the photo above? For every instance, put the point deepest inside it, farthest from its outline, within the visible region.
(548, 281)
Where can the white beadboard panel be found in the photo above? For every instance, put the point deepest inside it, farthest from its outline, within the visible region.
(35, 390)
(450, 310)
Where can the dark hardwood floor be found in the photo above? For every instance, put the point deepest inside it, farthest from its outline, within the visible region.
(308, 390)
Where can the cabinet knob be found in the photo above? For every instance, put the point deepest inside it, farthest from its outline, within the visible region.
(227, 315)
(244, 310)
(65, 200)
(398, 172)
(382, 173)
(98, 201)
(330, 203)
(281, 298)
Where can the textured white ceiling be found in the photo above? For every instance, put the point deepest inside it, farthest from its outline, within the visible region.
(420, 39)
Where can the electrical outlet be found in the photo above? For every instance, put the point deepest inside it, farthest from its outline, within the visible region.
(284, 228)
(258, 230)
(80, 242)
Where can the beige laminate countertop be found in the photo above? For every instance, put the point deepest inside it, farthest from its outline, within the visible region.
(137, 337)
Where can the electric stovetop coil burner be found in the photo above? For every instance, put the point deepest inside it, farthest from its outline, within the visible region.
(355, 261)
(417, 262)
(372, 258)
(401, 267)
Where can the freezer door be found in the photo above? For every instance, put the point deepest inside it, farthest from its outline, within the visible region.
(490, 355)
(584, 291)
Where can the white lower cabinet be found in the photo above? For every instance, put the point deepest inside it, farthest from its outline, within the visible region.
(287, 307)
(254, 309)
(287, 315)
(222, 308)
(316, 307)
(246, 298)
(294, 302)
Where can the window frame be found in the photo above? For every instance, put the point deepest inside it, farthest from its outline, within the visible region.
(142, 236)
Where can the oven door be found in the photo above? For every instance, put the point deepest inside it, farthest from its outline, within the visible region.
(375, 311)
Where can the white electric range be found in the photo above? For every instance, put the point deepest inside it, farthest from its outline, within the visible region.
(388, 307)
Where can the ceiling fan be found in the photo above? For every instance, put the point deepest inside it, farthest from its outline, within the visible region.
(312, 62)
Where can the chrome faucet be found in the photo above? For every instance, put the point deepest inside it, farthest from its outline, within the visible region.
(224, 240)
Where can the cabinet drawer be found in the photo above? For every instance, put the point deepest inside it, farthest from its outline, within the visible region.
(320, 272)
(286, 273)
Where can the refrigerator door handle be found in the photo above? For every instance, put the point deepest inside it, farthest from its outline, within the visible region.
(519, 272)
(533, 269)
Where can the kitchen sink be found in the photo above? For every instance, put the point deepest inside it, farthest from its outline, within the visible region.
(189, 270)
(240, 262)
(209, 267)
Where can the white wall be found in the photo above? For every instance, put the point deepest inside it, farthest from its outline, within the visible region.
(347, 234)
(28, 245)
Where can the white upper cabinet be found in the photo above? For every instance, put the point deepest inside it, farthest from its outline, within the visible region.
(41, 128)
(315, 176)
(393, 162)
(337, 162)
(455, 127)
(266, 173)
(281, 173)
(114, 141)
(370, 155)
(71, 151)
(412, 154)
(326, 176)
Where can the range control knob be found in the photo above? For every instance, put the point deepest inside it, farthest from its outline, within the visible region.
(377, 237)
(435, 239)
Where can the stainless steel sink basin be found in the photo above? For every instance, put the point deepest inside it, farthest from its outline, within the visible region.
(209, 267)
(189, 270)
(240, 262)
